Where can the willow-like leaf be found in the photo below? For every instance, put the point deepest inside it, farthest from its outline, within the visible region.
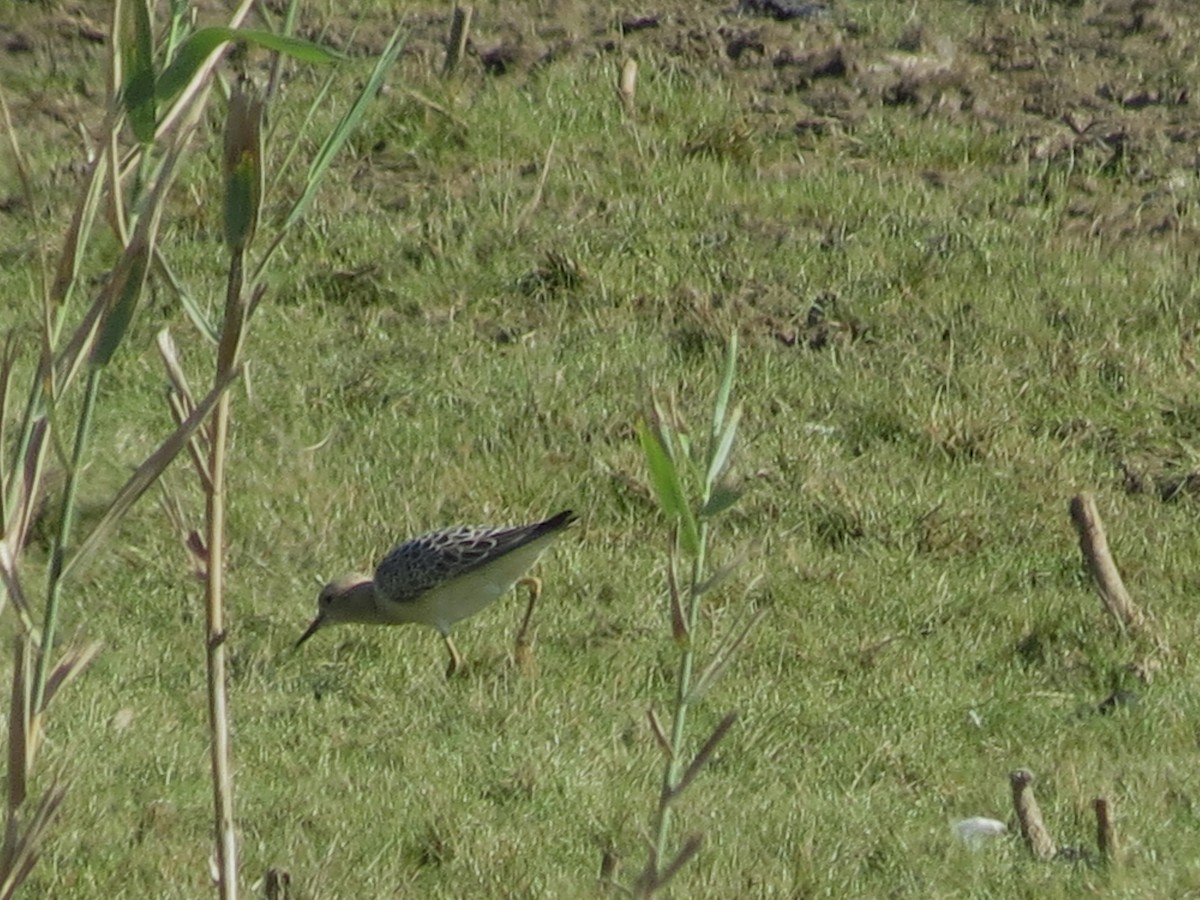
(664, 477)
(726, 388)
(721, 498)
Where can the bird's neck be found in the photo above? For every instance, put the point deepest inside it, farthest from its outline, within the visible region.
(357, 603)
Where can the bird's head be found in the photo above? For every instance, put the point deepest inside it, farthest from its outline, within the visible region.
(350, 598)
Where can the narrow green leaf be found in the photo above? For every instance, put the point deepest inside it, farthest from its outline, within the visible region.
(297, 48)
(199, 46)
(27, 847)
(723, 657)
(188, 59)
(685, 446)
(704, 755)
(72, 664)
(8, 360)
(720, 455)
(141, 480)
(137, 65)
(664, 429)
(680, 631)
(178, 27)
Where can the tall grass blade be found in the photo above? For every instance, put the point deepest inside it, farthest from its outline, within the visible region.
(7, 362)
(194, 52)
(191, 306)
(125, 290)
(345, 127)
(79, 231)
(723, 657)
(704, 755)
(26, 498)
(136, 46)
(664, 428)
(20, 739)
(13, 589)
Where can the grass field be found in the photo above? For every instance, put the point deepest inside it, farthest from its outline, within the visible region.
(957, 242)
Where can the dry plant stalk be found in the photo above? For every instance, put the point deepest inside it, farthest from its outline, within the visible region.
(126, 190)
(157, 91)
(456, 43)
(1106, 833)
(1033, 829)
(1094, 545)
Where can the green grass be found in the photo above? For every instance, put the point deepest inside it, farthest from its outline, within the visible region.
(909, 478)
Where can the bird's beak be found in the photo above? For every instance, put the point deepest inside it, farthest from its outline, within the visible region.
(312, 629)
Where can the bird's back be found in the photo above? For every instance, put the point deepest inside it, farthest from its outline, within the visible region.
(434, 559)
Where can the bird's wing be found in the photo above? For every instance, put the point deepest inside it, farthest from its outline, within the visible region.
(432, 559)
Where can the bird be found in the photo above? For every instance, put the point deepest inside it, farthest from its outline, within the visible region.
(442, 577)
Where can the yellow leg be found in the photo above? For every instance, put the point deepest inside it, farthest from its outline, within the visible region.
(456, 660)
(524, 651)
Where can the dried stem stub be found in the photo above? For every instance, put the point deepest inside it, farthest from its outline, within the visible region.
(456, 43)
(1094, 545)
(627, 86)
(1106, 833)
(1033, 829)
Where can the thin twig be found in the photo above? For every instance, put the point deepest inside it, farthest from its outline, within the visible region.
(702, 758)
